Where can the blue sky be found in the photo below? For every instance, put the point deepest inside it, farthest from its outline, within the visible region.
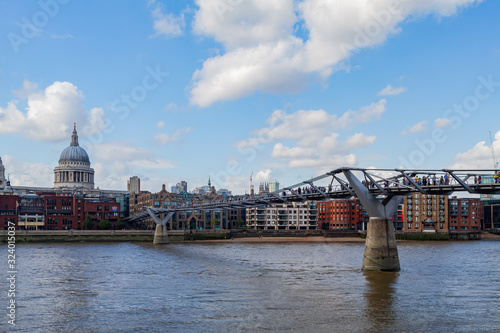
(180, 90)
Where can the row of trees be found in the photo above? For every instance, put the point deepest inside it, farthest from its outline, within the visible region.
(88, 224)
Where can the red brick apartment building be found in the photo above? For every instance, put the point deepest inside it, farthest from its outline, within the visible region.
(55, 211)
(465, 214)
(340, 214)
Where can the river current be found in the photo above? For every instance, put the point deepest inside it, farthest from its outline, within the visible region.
(254, 287)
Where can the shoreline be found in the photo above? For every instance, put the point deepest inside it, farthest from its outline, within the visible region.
(308, 239)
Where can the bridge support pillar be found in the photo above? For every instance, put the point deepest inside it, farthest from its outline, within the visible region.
(161, 231)
(381, 252)
(161, 235)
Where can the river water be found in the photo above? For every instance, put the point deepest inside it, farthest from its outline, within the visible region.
(247, 287)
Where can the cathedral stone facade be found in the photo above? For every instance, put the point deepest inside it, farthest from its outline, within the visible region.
(74, 167)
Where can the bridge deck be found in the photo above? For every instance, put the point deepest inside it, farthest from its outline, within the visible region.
(395, 182)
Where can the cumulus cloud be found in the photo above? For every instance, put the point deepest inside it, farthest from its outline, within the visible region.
(166, 24)
(478, 157)
(50, 114)
(442, 122)
(113, 151)
(164, 139)
(417, 128)
(315, 135)
(266, 49)
(27, 89)
(390, 91)
(22, 173)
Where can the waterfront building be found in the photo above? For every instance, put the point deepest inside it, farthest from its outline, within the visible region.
(289, 216)
(55, 211)
(491, 214)
(466, 214)
(339, 214)
(74, 166)
(190, 219)
(134, 184)
(426, 213)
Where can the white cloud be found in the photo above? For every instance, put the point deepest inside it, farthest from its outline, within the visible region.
(280, 151)
(478, 157)
(166, 24)
(170, 106)
(50, 114)
(114, 151)
(442, 122)
(264, 52)
(164, 139)
(23, 173)
(28, 89)
(262, 176)
(160, 124)
(65, 36)
(390, 91)
(154, 164)
(313, 134)
(417, 128)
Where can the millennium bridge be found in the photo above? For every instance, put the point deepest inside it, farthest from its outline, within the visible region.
(380, 191)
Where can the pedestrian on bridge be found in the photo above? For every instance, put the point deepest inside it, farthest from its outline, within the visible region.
(495, 176)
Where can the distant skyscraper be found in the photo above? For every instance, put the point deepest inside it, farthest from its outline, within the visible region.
(274, 186)
(179, 188)
(134, 184)
(224, 191)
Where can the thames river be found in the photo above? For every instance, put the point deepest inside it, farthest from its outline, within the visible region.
(257, 287)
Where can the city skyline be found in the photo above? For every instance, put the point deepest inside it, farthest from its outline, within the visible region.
(182, 91)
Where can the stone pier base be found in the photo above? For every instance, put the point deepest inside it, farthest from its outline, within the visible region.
(381, 252)
(161, 234)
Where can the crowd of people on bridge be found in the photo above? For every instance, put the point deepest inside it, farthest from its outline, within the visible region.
(421, 180)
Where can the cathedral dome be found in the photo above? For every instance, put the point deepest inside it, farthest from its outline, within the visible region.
(74, 166)
(74, 153)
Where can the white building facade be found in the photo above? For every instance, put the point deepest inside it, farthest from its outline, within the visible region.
(291, 216)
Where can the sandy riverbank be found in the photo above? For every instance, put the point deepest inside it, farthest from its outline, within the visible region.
(312, 239)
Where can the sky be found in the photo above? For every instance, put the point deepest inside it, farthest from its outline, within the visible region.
(277, 90)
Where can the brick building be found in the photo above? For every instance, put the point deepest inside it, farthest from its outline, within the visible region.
(426, 213)
(466, 214)
(55, 211)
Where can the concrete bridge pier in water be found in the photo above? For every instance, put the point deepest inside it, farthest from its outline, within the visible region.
(381, 252)
(161, 233)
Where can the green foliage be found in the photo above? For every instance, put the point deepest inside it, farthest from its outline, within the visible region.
(213, 223)
(174, 225)
(119, 224)
(88, 224)
(240, 223)
(104, 224)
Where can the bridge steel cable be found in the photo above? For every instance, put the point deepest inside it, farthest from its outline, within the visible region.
(380, 192)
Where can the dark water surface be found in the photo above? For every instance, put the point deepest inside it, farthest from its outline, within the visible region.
(237, 287)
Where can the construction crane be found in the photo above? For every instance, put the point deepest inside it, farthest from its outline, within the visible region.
(495, 162)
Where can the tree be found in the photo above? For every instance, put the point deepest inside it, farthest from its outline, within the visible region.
(174, 225)
(119, 224)
(88, 224)
(104, 224)
(240, 223)
(213, 223)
